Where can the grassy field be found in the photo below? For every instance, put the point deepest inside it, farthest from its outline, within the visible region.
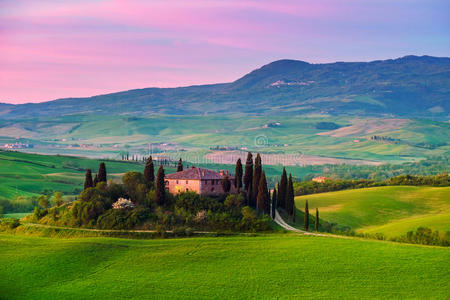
(23, 174)
(273, 266)
(15, 215)
(296, 134)
(391, 210)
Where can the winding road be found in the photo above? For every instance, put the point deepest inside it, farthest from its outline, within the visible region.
(279, 220)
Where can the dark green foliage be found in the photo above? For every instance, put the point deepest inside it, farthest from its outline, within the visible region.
(282, 190)
(39, 213)
(263, 195)
(91, 203)
(327, 126)
(290, 197)
(102, 172)
(192, 202)
(10, 223)
(234, 201)
(257, 170)
(226, 184)
(274, 202)
(136, 187)
(248, 175)
(238, 175)
(19, 204)
(149, 171)
(294, 212)
(88, 180)
(311, 187)
(432, 166)
(426, 236)
(438, 180)
(180, 165)
(95, 180)
(57, 199)
(44, 201)
(123, 218)
(160, 188)
(306, 222)
(317, 220)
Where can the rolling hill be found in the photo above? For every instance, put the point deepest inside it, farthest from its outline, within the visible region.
(391, 210)
(262, 267)
(410, 86)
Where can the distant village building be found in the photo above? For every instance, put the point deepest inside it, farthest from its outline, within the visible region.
(18, 146)
(199, 180)
(320, 179)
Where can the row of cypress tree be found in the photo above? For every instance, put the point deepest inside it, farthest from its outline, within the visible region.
(284, 194)
(99, 177)
(253, 180)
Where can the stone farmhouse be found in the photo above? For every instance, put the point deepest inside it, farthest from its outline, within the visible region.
(199, 180)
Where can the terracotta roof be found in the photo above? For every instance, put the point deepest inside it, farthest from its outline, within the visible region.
(197, 173)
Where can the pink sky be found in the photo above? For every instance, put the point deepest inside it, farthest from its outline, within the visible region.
(54, 49)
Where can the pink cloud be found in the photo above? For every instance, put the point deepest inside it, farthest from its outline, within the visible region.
(51, 49)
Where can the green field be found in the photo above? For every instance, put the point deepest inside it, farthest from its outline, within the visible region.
(23, 174)
(270, 267)
(296, 134)
(391, 210)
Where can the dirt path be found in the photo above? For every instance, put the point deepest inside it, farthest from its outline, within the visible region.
(279, 220)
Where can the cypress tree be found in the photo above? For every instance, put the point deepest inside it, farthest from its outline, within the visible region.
(263, 194)
(226, 184)
(293, 211)
(274, 202)
(160, 187)
(180, 166)
(282, 190)
(102, 173)
(290, 196)
(256, 179)
(306, 216)
(238, 175)
(88, 180)
(95, 180)
(149, 171)
(317, 219)
(248, 176)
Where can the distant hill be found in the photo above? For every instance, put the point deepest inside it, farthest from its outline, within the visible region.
(410, 86)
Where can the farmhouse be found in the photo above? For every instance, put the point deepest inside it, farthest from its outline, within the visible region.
(199, 180)
(320, 179)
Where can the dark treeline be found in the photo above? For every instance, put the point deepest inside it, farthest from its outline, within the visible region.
(431, 166)
(311, 187)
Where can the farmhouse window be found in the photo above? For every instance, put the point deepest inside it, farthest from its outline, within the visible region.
(187, 181)
(177, 181)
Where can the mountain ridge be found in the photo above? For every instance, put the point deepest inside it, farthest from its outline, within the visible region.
(417, 86)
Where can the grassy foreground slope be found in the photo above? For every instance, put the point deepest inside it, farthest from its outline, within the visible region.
(273, 266)
(392, 210)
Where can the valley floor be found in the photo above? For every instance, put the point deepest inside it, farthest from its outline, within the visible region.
(287, 266)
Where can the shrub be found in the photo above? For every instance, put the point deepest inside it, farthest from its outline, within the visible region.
(123, 218)
(179, 231)
(234, 201)
(11, 223)
(160, 230)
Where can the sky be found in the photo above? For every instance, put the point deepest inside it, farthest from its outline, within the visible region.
(79, 48)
